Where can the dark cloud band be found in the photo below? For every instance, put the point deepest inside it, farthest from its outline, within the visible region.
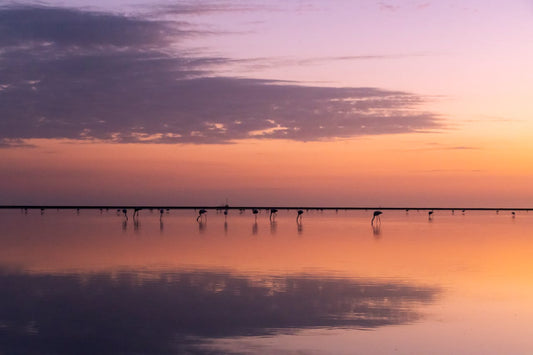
(74, 74)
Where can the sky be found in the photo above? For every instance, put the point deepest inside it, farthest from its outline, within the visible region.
(329, 103)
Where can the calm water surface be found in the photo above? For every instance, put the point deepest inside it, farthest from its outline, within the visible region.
(93, 283)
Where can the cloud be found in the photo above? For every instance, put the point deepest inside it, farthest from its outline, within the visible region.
(68, 73)
(440, 146)
(15, 143)
(168, 312)
(209, 7)
(262, 63)
(387, 6)
(64, 27)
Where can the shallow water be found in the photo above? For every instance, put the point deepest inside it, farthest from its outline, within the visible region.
(93, 283)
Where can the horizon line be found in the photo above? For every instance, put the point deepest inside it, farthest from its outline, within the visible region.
(265, 207)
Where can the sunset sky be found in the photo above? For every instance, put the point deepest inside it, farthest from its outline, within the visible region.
(332, 103)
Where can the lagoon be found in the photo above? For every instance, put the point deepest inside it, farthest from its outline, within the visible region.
(95, 283)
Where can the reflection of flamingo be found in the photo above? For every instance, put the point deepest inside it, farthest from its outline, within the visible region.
(255, 228)
(376, 230)
(273, 227)
(376, 217)
(274, 212)
(299, 216)
(201, 226)
(200, 214)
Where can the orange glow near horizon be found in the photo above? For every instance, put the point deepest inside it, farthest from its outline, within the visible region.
(380, 170)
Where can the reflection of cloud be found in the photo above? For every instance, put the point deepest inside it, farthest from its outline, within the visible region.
(161, 312)
(68, 73)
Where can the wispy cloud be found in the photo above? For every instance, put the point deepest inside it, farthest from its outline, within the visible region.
(208, 7)
(15, 143)
(70, 73)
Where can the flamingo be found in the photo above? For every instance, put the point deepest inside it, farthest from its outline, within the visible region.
(274, 212)
(299, 216)
(125, 211)
(376, 217)
(200, 214)
(255, 211)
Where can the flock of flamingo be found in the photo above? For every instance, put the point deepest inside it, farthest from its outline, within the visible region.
(273, 213)
(202, 213)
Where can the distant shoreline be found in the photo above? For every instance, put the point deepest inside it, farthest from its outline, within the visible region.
(251, 207)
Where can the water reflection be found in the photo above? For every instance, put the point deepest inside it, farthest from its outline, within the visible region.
(172, 312)
(202, 226)
(273, 227)
(480, 261)
(300, 227)
(255, 228)
(136, 224)
(376, 230)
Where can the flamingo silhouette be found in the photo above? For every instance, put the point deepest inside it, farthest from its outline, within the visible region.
(273, 212)
(125, 211)
(200, 214)
(255, 211)
(376, 217)
(136, 212)
(430, 214)
(299, 216)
